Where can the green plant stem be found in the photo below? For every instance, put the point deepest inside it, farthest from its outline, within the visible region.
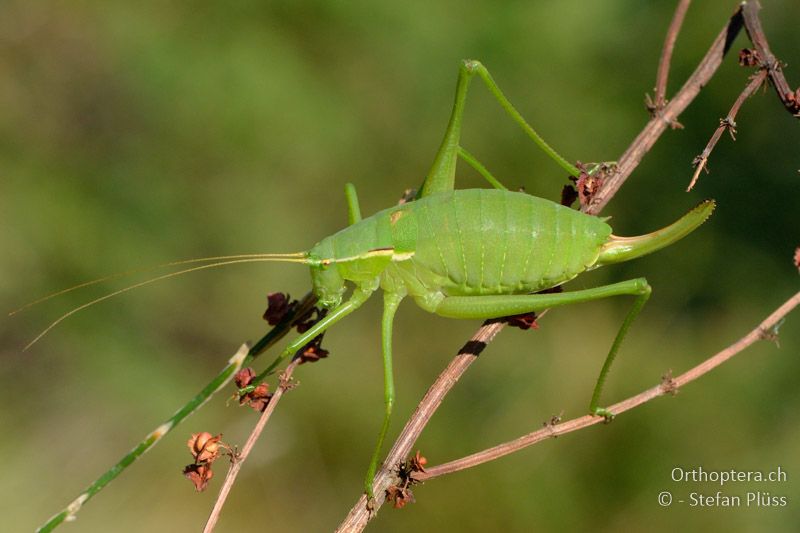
(243, 357)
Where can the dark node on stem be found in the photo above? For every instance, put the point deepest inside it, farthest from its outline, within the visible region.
(749, 57)
(589, 183)
(287, 381)
(653, 107)
(771, 334)
(668, 384)
(729, 124)
(472, 347)
(792, 101)
(700, 161)
(553, 420)
(400, 494)
(406, 469)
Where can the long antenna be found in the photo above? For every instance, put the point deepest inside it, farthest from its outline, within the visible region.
(250, 258)
(146, 269)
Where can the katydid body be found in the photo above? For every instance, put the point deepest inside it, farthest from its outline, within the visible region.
(461, 243)
(474, 242)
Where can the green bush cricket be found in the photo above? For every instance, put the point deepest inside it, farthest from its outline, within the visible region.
(471, 254)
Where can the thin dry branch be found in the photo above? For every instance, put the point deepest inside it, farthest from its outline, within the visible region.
(790, 99)
(765, 330)
(660, 99)
(239, 459)
(653, 130)
(770, 67)
(360, 514)
(728, 123)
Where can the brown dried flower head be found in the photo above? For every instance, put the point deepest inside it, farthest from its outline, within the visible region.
(418, 462)
(258, 398)
(244, 377)
(588, 185)
(401, 496)
(312, 352)
(199, 475)
(204, 447)
(278, 305)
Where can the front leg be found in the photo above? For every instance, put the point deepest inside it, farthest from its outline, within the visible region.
(356, 300)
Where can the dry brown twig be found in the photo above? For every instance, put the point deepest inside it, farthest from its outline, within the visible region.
(239, 459)
(664, 114)
(762, 57)
(752, 24)
(657, 103)
(728, 123)
(643, 142)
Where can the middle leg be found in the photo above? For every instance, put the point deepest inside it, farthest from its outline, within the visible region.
(391, 301)
(441, 176)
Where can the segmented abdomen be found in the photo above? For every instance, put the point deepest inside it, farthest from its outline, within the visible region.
(484, 241)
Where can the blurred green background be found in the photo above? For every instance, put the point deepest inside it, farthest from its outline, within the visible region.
(134, 133)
